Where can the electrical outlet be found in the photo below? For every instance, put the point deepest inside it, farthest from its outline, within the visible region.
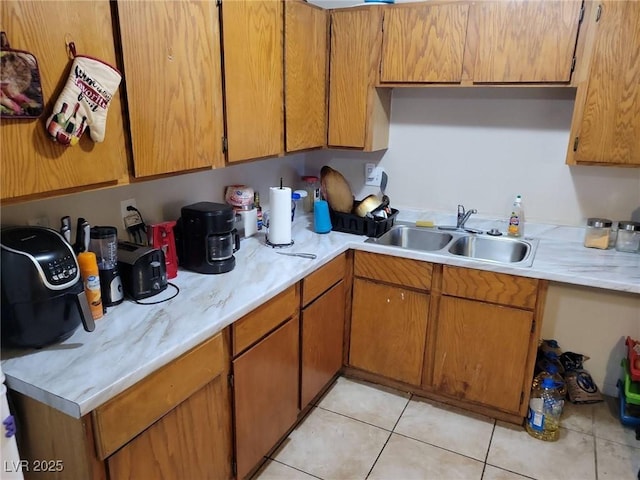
(373, 175)
(368, 172)
(124, 213)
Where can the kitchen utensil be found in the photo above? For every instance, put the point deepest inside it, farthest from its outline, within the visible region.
(43, 299)
(369, 204)
(311, 256)
(82, 236)
(321, 217)
(336, 190)
(65, 228)
(385, 197)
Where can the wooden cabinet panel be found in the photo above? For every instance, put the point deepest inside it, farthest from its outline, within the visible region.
(424, 43)
(401, 271)
(265, 394)
(130, 412)
(356, 109)
(323, 278)
(481, 352)
(523, 40)
(322, 335)
(253, 72)
(171, 55)
(388, 330)
(607, 129)
(305, 70)
(31, 162)
(253, 326)
(490, 286)
(191, 441)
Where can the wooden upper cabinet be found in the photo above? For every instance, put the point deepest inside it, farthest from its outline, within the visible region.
(358, 112)
(606, 119)
(253, 75)
(171, 56)
(424, 43)
(32, 163)
(522, 41)
(305, 71)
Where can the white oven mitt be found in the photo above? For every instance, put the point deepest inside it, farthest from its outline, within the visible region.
(84, 101)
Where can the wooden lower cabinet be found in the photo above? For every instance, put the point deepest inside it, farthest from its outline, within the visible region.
(388, 330)
(175, 423)
(322, 331)
(481, 352)
(265, 384)
(191, 441)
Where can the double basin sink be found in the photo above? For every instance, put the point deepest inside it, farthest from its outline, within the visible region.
(499, 250)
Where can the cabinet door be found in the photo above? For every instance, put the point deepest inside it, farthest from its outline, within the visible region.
(305, 68)
(265, 383)
(191, 441)
(171, 55)
(32, 163)
(523, 40)
(424, 43)
(608, 131)
(253, 71)
(322, 335)
(481, 352)
(356, 38)
(388, 330)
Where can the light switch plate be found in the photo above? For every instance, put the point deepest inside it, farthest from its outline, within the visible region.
(372, 175)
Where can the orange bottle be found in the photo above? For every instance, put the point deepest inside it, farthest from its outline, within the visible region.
(91, 280)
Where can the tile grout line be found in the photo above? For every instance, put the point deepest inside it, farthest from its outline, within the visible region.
(296, 468)
(388, 438)
(486, 456)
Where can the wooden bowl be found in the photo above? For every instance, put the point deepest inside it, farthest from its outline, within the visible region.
(336, 190)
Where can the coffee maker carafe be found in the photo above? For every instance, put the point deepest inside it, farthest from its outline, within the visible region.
(207, 238)
(104, 243)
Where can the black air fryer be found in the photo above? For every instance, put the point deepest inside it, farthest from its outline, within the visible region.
(206, 237)
(43, 299)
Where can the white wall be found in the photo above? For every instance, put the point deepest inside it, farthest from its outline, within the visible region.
(159, 200)
(482, 146)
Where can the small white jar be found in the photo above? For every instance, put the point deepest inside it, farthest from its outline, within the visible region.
(628, 237)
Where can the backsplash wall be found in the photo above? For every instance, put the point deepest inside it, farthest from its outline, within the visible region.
(158, 200)
(482, 146)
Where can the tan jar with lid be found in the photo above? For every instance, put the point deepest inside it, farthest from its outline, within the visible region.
(598, 233)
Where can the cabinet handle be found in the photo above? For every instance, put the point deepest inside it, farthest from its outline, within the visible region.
(599, 13)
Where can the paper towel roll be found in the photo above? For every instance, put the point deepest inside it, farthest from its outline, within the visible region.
(279, 216)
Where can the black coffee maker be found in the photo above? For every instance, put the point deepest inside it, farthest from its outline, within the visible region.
(206, 237)
(43, 299)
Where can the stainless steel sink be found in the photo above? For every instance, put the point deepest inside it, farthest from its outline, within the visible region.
(413, 238)
(501, 250)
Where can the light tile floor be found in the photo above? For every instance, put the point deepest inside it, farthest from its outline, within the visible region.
(364, 431)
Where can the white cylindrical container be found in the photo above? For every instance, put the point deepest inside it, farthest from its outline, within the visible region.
(250, 221)
(279, 232)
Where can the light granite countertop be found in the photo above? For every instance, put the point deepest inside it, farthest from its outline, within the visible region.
(131, 341)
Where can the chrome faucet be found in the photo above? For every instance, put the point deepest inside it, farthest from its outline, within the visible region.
(463, 216)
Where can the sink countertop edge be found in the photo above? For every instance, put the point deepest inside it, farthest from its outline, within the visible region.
(130, 343)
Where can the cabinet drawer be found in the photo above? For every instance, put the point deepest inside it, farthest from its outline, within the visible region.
(490, 287)
(400, 271)
(253, 326)
(324, 278)
(126, 415)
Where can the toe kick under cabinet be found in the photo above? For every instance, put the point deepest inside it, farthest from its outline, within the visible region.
(462, 336)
